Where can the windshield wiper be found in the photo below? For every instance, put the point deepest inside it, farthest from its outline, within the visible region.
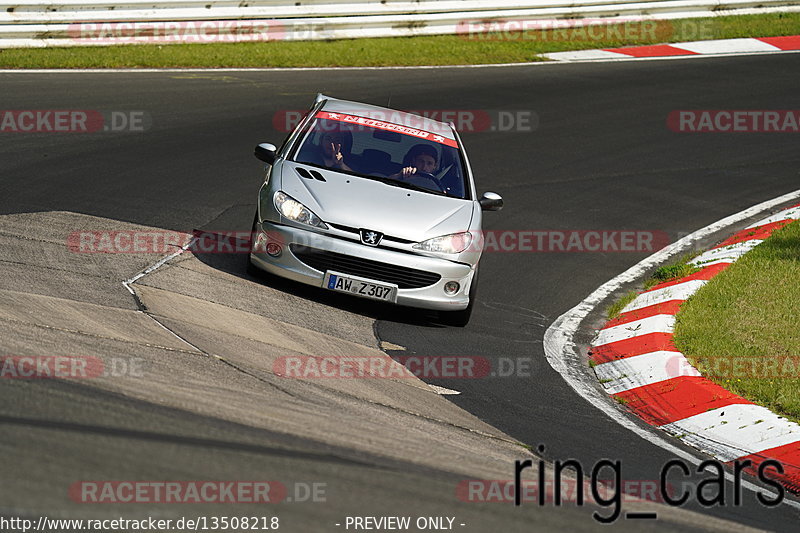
(405, 185)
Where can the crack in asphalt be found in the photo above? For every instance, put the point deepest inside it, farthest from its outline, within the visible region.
(97, 336)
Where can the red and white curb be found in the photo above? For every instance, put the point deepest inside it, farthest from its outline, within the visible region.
(638, 364)
(758, 45)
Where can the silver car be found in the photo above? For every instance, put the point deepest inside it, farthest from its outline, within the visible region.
(372, 202)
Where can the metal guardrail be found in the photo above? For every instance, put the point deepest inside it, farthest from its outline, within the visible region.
(39, 23)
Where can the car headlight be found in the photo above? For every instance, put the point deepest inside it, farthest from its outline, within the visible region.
(295, 211)
(446, 244)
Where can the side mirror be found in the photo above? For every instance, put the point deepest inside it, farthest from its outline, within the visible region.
(491, 201)
(266, 152)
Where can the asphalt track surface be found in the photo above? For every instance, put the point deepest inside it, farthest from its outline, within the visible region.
(601, 158)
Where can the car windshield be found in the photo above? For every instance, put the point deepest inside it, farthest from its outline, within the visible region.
(380, 150)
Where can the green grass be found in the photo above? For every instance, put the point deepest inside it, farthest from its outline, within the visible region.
(675, 270)
(616, 308)
(741, 327)
(428, 50)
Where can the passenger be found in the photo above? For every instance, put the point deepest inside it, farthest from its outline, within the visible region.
(330, 154)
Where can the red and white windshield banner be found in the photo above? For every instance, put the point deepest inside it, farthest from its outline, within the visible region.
(388, 126)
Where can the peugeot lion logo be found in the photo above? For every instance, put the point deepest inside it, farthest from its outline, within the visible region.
(371, 238)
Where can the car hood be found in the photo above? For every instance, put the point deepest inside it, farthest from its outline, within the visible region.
(356, 202)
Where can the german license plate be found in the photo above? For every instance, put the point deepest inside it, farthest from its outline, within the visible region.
(360, 287)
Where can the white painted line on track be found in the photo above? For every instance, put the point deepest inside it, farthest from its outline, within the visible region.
(726, 254)
(262, 69)
(789, 214)
(562, 354)
(640, 370)
(442, 391)
(587, 55)
(152, 268)
(158, 264)
(332, 69)
(727, 46)
(735, 430)
(636, 328)
(679, 291)
(629, 59)
(730, 259)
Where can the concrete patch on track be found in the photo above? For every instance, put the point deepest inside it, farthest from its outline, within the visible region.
(205, 401)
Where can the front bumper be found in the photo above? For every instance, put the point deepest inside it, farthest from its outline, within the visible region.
(287, 265)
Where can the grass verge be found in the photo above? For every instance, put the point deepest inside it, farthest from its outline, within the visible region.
(675, 270)
(672, 271)
(490, 47)
(616, 308)
(742, 329)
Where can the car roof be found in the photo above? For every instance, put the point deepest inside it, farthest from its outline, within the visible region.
(385, 114)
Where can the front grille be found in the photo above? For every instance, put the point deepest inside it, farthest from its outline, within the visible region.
(357, 233)
(403, 277)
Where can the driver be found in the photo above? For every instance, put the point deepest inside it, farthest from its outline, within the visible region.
(421, 158)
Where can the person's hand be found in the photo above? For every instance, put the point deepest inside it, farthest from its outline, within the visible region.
(408, 172)
(337, 153)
